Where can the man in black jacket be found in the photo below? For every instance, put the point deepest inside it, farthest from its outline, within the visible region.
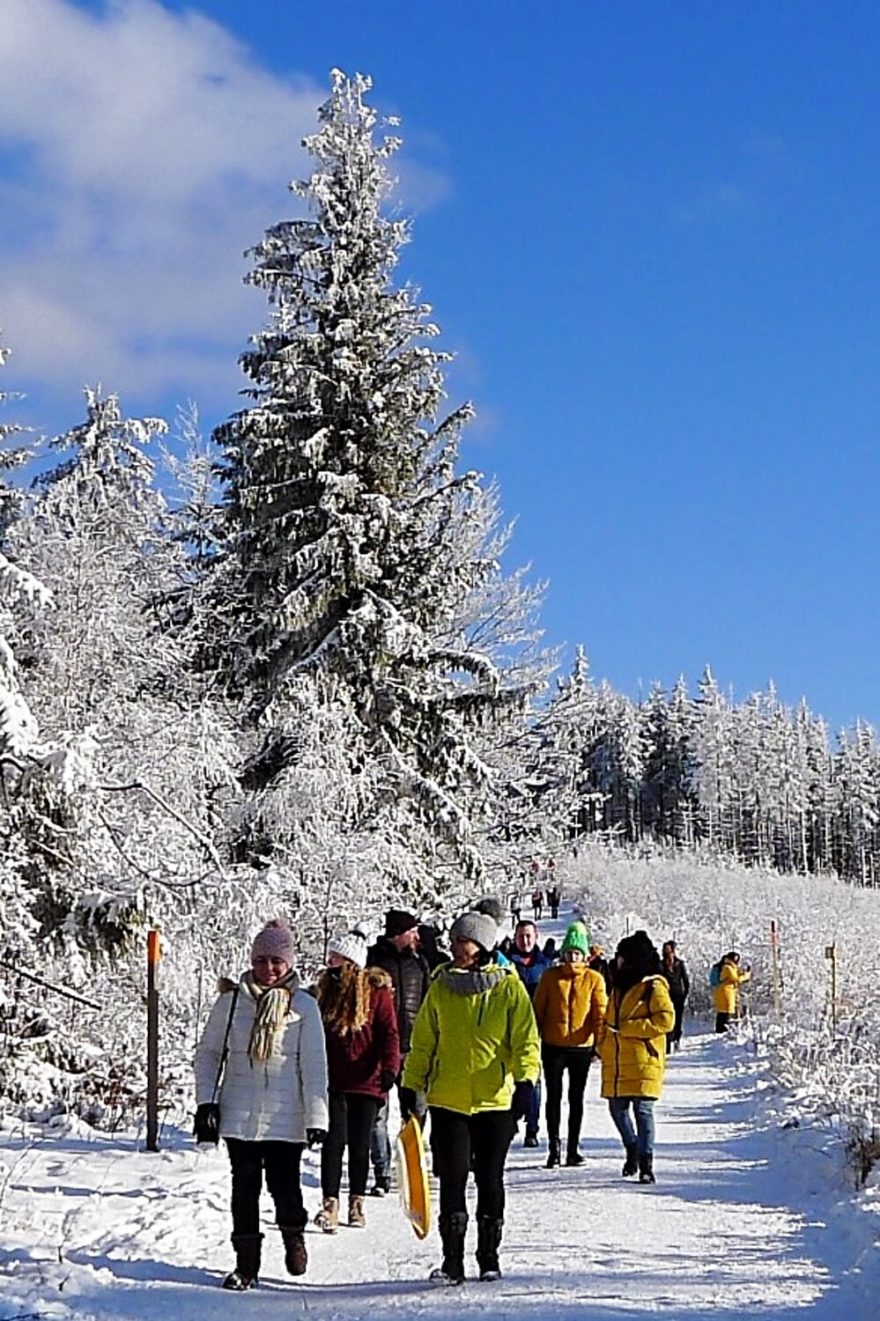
(397, 953)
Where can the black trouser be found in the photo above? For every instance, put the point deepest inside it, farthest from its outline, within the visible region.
(673, 1037)
(556, 1059)
(455, 1140)
(351, 1122)
(721, 1021)
(281, 1161)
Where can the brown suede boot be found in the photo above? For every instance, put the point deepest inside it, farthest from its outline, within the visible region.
(247, 1262)
(296, 1259)
(356, 1217)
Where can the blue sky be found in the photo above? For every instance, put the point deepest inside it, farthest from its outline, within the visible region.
(648, 229)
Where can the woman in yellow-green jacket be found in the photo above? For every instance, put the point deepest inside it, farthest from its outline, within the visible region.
(632, 1047)
(731, 976)
(475, 1053)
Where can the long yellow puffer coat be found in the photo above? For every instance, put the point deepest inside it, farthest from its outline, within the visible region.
(726, 994)
(570, 1005)
(632, 1042)
(468, 1049)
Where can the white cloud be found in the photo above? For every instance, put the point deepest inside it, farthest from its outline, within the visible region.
(144, 151)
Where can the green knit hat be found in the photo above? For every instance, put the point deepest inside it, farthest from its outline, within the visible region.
(577, 937)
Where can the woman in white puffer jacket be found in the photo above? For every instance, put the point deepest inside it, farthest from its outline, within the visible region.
(264, 1042)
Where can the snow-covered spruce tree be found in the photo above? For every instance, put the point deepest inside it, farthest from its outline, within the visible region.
(344, 508)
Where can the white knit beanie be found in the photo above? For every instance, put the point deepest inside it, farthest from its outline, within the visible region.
(352, 945)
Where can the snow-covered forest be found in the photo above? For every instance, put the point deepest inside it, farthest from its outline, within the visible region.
(288, 667)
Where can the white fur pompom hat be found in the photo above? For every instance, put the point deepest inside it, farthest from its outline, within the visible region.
(352, 945)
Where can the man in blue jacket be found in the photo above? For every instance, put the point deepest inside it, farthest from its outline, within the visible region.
(530, 962)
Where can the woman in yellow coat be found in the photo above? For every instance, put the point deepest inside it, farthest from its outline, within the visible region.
(475, 1053)
(569, 1007)
(632, 1047)
(726, 994)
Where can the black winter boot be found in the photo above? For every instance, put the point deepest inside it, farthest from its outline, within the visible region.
(555, 1156)
(489, 1230)
(296, 1259)
(573, 1156)
(631, 1164)
(247, 1262)
(453, 1227)
(646, 1169)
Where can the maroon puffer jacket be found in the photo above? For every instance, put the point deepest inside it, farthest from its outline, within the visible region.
(356, 1062)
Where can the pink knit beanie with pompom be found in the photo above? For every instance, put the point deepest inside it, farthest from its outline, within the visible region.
(275, 941)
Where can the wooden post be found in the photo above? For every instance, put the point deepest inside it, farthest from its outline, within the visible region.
(831, 956)
(153, 956)
(774, 957)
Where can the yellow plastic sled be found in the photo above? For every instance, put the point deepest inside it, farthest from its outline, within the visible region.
(412, 1177)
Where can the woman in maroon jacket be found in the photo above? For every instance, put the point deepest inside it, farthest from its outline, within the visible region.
(363, 1061)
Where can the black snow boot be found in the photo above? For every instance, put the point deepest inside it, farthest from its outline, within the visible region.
(631, 1164)
(646, 1169)
(247, 1262)
(572, 1155)
(296, 1259)
(555, 1156)
(453, 1227)
(489, 1230)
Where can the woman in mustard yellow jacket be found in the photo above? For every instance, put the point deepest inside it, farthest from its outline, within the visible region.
(726, 994)
(632, 1046)
(569, 1007)
(475, 1053)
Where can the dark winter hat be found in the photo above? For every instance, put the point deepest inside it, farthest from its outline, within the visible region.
(275, 941)
(577, 937)
(492, 907)
(636, 947)
(352, 945)
(478, 927)
(398, 921)
(637, 950)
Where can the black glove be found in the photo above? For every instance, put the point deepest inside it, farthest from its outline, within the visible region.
(409, 1102)
(207, 1123)
(522, 1096)
(315, 1136)
(387, 1080)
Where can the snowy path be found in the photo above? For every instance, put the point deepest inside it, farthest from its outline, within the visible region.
(743, 1218)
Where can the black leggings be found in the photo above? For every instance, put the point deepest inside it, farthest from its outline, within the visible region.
(281, 1161)
(456, 1139)
(556, 1059)
(721, 1021)
(352, 1117)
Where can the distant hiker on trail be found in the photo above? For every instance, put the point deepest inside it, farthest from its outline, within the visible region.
(363, 1062)
(553, 902)
(632, 1046)
(726, 978)
(475, 1052)
(397, 953)
(516, 903)
(597, 961)
(549, 949)
(261, 1085)
(530, 962)
(679, 988)
(537, 904)
(569, 1008)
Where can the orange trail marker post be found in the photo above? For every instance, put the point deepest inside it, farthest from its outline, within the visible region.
(153, 956)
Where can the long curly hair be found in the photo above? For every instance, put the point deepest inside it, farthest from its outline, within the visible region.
(344, 995)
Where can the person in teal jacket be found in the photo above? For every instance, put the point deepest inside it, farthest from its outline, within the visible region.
(475, 1052)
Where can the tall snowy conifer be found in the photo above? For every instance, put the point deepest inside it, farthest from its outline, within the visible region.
(344, 511)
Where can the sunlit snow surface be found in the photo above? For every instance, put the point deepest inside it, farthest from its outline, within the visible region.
(744, 1217)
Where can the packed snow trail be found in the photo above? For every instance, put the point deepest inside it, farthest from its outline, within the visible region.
(743, 1218)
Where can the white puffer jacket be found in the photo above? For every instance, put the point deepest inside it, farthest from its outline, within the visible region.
(272, 1100)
